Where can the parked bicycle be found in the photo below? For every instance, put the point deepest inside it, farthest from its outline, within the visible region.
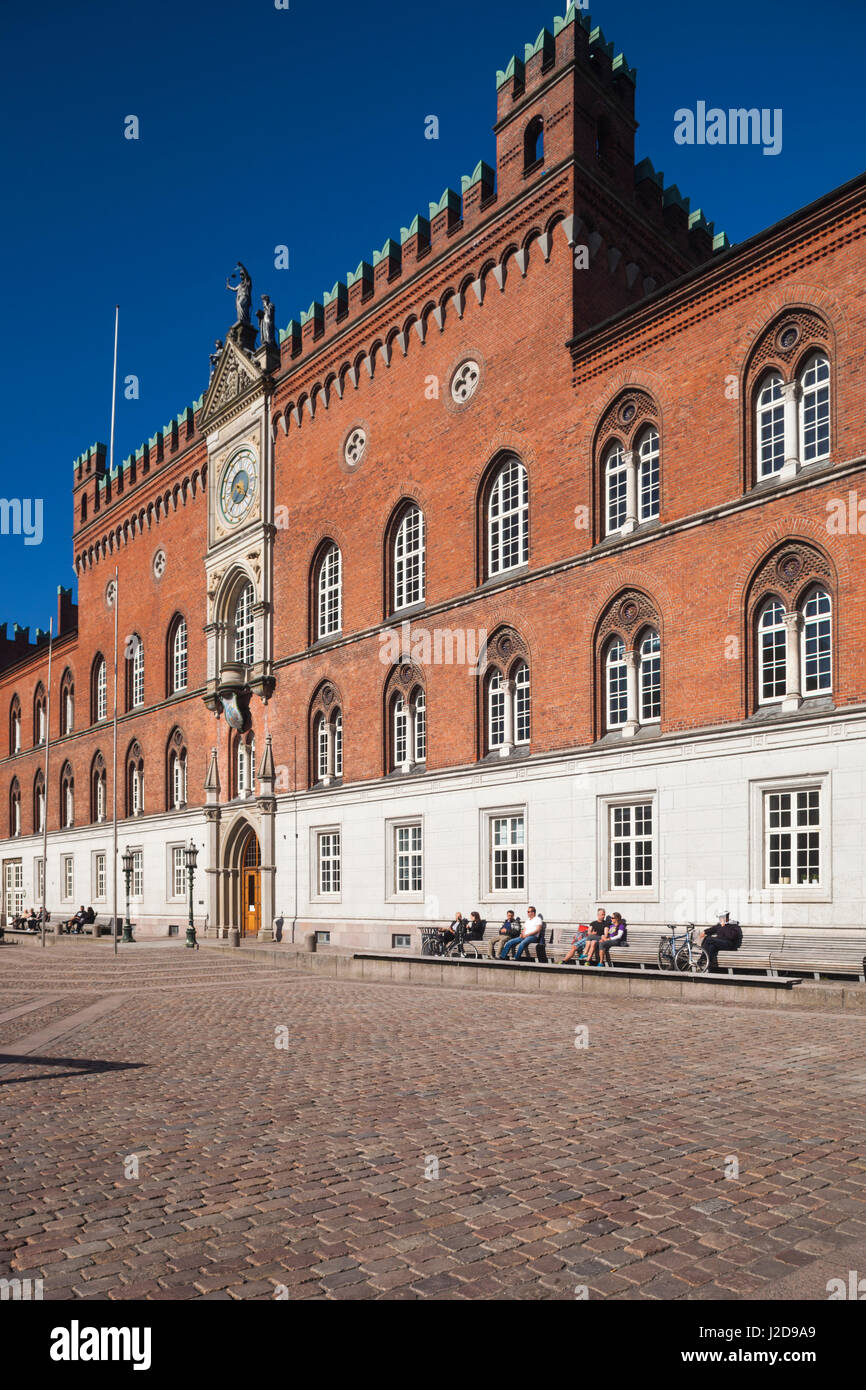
(433, 943)
(682, 952)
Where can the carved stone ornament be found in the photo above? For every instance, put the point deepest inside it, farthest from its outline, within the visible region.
(328, 696)
(505, 647)
(627, 614)
(626, 415)
(796, 565)
(786, 340)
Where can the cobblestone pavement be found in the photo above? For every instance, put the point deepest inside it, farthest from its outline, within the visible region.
(265, 1168)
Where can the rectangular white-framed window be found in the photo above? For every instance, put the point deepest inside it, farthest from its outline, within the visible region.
(405, 860)
(67, 877)
(504, 871)
(38, 880)
(99, 878)
(327, 865)
(791, 839)
(177, 886)
(400, 941)
(136, 884)
(628, 848)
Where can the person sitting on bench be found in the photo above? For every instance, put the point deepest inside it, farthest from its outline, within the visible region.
(614, 935)
(449, 934)
(75, 924)
(475, 927)
(510, 928)
(532, 932)
(586, 942)
(727, 936)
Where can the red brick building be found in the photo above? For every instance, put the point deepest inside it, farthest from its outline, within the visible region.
(527, 566)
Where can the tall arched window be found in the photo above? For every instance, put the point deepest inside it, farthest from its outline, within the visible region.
(135, 672)
(616, 684)
(99, 690)
(40, 715)
(533, 143)
(97, 789)
(508, 518)
(650, 678)
(244, 625)
(15, 808)
(408, 730)
(338, 743)
(67, 797)
(329, 593)
(420, 727)
(615, 488)
(409, 559)
(178, 656)
(522, 704)
(648, 475)
(508, 708)
(770, 426)
(177, 772)
(817, 649)
(815, 408)
(772, 652)
(245, 765)
(134, 781)
(15, 726)
(67, 703)
(39, 802)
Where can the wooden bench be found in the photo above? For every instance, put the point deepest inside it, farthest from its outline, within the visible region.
(843, 955)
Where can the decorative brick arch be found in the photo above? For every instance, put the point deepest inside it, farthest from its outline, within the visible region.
(505, 649)
(485, 479)
(798, 532)
(409, 494)
(326, 703)
(626, 614)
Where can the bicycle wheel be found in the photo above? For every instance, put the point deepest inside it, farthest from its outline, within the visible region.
(684, 960)
(666, 955)
(470, 951)
(701, 961)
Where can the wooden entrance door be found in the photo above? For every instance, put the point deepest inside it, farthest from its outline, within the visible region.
(251, 888)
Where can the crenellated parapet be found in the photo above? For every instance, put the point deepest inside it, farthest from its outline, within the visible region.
(565, 110)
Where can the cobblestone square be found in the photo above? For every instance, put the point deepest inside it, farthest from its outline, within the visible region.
(177, 1125)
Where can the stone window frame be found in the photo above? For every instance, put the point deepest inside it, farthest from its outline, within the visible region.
(326, 706)
(759, 789)
(791, 571)
(814, 335)
(625, 422)
(605, 805)
(628, 616)
(406, 681)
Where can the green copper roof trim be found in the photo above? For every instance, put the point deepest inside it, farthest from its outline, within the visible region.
(330, 295)
(364, 268)
(314, 310)
(647, 170)
(482, 173)
(720, 241)
(516, 68)
(620, 65)
(597, 40)
(674, 198)
(447, 203)
(388, 252)
(419, 222)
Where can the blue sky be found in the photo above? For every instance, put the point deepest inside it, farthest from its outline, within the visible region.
(305, 127)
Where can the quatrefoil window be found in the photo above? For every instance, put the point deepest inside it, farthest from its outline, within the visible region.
(356, 445)
(465, 382)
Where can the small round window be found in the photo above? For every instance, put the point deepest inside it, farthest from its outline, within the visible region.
(355, 448)
(159, 564)
(465, 381)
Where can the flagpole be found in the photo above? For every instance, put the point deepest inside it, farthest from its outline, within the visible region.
(45, 782)
(116, 605)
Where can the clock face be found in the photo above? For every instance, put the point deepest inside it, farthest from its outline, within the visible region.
(238, 487)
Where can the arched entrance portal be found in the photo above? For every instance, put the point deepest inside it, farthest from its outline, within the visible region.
(251, 886)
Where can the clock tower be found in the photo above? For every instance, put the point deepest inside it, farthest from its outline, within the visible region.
(236, 422)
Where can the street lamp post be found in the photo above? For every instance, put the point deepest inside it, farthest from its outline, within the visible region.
(190, 859)
(127, 860)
